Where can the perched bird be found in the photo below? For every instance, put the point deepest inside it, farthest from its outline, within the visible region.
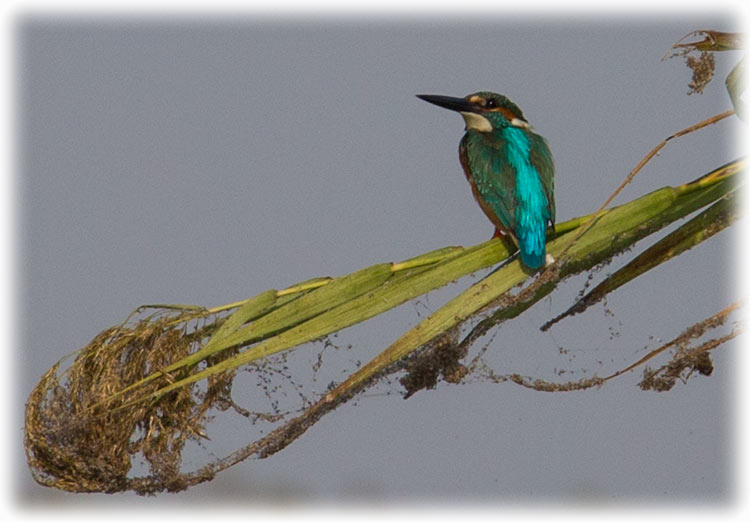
(509, 167)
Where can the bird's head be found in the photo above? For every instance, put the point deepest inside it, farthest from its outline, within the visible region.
(482, 111)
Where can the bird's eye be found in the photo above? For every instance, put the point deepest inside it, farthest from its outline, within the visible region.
(490, 104)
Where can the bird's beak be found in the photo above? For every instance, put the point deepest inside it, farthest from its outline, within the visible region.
(471, 112)
(449, 102)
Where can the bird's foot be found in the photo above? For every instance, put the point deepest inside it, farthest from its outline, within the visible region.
(499, 233)
(548, 260)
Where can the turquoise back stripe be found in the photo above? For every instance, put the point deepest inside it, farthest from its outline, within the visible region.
(532, 207)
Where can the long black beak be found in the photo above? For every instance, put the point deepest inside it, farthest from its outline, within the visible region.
(448, 102)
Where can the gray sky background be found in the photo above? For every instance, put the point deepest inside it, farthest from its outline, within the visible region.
(205, 161)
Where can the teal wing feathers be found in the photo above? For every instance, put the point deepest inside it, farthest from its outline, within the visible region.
(492, 178)
(541, 158)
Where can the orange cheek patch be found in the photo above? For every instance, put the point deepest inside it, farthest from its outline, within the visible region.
(505, 112)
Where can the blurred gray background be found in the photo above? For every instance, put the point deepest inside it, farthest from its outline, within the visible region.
(181, 160)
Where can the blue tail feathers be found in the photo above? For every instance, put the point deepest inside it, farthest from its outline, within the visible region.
(533, 259)
(532, 246)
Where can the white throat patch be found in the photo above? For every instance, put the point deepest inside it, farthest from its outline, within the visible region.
(476, 121)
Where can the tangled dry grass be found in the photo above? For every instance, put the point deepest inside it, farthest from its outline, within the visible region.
(78, 437)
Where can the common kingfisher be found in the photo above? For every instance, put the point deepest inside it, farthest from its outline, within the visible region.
(509, 167)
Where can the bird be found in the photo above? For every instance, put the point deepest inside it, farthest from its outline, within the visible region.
(510, 170)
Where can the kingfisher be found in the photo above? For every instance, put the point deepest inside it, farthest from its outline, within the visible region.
(510, 170)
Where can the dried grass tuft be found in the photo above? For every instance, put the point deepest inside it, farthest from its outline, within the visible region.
(80, 438)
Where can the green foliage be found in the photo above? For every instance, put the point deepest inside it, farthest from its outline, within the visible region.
(265, 330)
